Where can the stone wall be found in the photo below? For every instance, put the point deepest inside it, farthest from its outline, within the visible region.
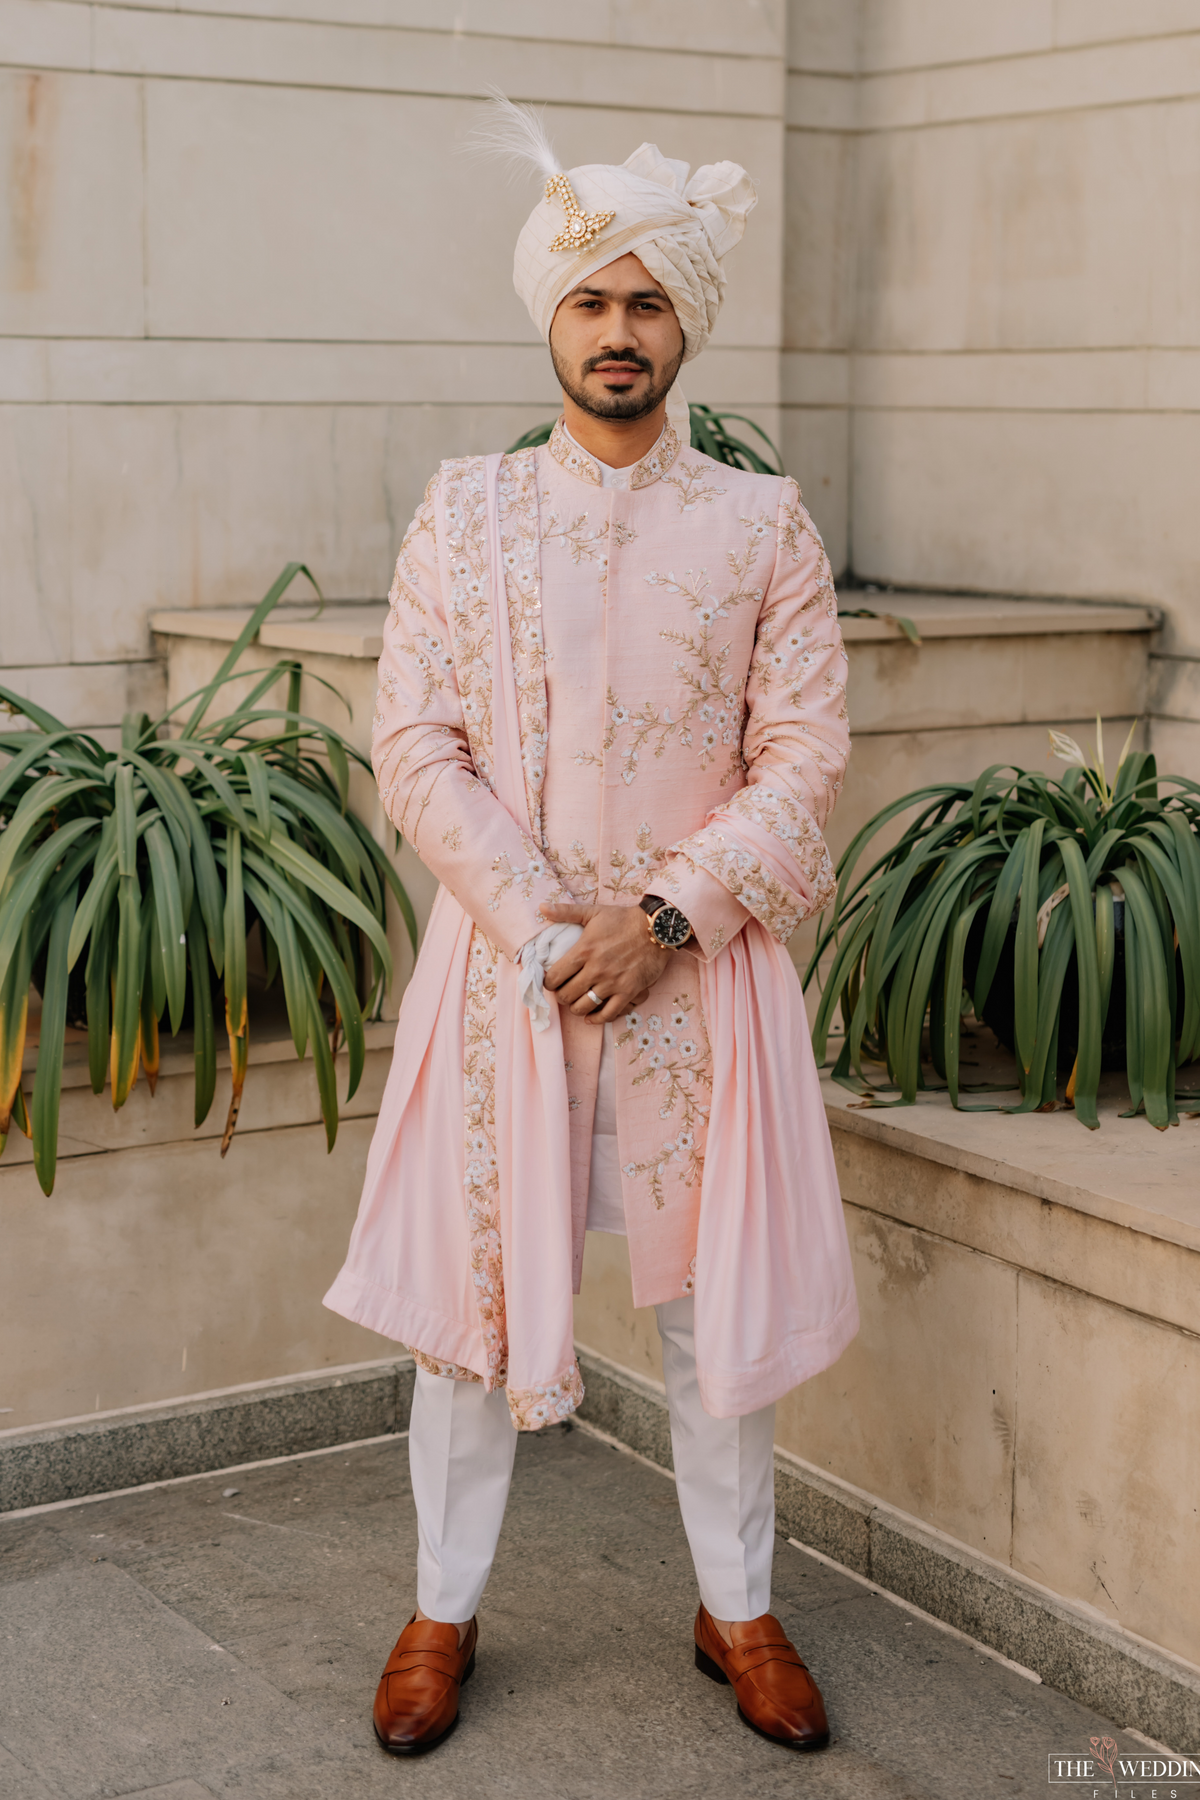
(991, 343)
(252, 291)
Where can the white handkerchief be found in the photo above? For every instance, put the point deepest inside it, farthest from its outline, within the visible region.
(536, 957)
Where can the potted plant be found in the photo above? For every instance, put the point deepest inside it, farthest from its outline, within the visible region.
(1080, 897)
(135, 875)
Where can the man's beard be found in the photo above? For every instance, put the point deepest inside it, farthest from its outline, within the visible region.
(616, 406)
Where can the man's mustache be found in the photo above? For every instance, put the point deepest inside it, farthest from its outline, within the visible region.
(622, 356)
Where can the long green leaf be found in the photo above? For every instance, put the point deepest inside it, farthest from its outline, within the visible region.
(326, 954)
(294, 861)
(99, 998)
(127, 811)
(293, 968)
(995, 933)
(260, 790)
(324, 1066)
(127, 987)
(28, 882)
(1087, 1067)
(1026, 967)
(203, 1026)
(1150, 991)
(1106, 948)
(47, 1083)
(14, 1018)
(38, 802)
(169, 916)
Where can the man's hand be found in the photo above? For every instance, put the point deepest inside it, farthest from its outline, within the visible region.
(615, 957)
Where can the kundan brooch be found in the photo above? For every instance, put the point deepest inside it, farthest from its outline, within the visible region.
(581, 229)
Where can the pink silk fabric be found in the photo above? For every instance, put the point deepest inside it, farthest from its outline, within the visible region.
(469, 1237)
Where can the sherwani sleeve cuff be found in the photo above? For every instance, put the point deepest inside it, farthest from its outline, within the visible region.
(715, 915)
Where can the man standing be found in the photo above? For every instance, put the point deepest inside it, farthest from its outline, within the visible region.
(612, 721)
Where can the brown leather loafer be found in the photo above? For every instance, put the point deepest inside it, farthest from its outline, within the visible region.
(776, 1695)
(416, 1702)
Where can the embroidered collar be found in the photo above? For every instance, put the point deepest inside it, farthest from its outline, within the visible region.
(567, 453)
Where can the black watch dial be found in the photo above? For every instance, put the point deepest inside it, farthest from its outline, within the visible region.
(671, 927)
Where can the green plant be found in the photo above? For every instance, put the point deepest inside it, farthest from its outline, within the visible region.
(146, 866)
(1058, 856)
(708, 434)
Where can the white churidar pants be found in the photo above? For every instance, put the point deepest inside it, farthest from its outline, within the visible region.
(462, 1443)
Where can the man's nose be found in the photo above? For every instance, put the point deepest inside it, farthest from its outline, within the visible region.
(622, 330)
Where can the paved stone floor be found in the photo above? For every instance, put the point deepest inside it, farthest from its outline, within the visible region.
(180, 1643)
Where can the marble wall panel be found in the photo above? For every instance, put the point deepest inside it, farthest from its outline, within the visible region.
(294, 53)
(1092, 21)
(1067, 231)
(1096, 506)
(90, 695)
(950, 683)
(819, 248)
(164, 1271)
(751, 28)
(815, 444)
(71, 231)
(822, 35)
(1176, 745)
(1108, 1461)
(1176, 687)
(45, 34)
(323, 214)
(921, 1409)
(910, 34)
(201, 506)
(1090, 77)
(35, 605)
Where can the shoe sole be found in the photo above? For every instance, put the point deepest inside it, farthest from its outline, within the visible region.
(716, 1673)
(427, 1743)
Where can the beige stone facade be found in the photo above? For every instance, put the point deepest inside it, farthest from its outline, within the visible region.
(251, 290)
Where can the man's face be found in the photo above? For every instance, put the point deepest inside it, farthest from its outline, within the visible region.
(616, 342)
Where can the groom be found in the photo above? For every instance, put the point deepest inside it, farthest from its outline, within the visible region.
(612, 721)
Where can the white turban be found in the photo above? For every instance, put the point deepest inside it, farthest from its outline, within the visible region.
(680, 229)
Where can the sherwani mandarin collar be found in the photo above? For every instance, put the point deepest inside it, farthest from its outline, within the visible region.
(572, 457)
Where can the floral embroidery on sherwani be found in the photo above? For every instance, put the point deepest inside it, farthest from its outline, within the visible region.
(547, 1404)
(693, 485)
(633, 870)
(673, 1054)
(707, 713)
(451, 1370)
(760, 891)
(464, 505)
(480, 1169)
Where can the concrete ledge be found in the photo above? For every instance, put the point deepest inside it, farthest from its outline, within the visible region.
(1072, 1648)
(101, 1452)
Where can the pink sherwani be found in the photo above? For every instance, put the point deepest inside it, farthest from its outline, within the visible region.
(677, 689)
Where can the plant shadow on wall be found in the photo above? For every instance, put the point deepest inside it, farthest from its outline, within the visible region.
(1064, 914)
(131, 879)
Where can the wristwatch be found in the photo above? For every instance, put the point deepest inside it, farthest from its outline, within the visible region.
(669, 928)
